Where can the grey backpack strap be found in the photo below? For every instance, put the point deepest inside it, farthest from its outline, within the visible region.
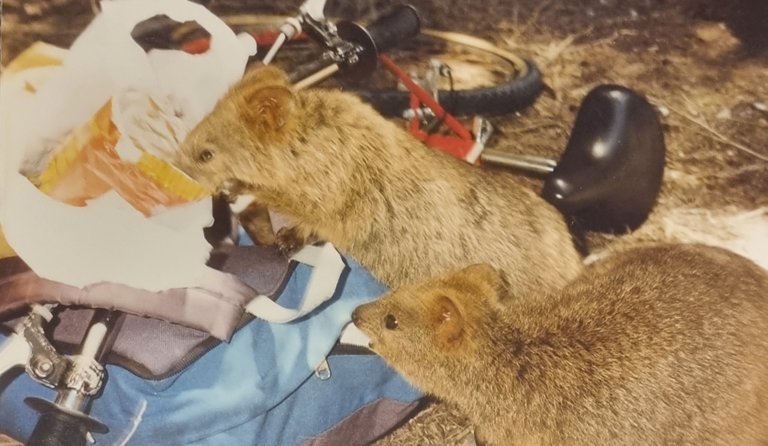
(327, 267)
(225, 297)
(152, 347)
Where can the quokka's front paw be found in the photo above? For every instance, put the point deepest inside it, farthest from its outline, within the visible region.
(290, 240)
(256, 222)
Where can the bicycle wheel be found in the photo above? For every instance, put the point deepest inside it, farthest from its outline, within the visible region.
(517, 93)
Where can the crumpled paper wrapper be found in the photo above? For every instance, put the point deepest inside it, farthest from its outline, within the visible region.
(88, 164)
(109, 110)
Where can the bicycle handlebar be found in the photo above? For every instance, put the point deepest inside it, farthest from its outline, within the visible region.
(392, 28)
(357, 51)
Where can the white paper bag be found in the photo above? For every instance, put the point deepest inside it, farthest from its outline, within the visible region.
(108, 240)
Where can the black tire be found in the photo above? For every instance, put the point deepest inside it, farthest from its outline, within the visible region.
(514, 95)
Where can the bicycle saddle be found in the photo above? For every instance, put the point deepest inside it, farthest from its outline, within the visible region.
(610, 173)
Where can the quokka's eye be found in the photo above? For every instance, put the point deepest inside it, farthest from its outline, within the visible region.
(390, 321)
(205, 156)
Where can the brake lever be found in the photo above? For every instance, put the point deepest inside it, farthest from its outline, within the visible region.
(28, 347)
(311, 16)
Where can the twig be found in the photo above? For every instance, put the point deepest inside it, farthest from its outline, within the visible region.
(534, 18)
(531, 127)
(715, 134)
(555, 49)
(610, 39)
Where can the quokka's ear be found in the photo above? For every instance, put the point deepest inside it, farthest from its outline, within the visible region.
(486, 279)
(264, 101)
(447, 321)
(268, 111)
(481, 272)
(263, 76)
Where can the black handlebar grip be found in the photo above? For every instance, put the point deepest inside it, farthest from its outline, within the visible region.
(399, 24)
(58, 429)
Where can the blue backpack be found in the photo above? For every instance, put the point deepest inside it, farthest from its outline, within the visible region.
(271, 384)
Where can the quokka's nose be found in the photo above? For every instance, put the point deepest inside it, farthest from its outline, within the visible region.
(355, 316)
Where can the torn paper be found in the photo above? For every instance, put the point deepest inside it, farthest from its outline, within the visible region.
(108, 239)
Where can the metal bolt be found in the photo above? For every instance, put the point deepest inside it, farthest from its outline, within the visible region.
(42, 367)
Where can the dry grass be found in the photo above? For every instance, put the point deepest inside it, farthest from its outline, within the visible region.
(436, 425)
(8, 441)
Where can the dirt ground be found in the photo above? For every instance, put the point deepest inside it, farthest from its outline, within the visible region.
(710, 89)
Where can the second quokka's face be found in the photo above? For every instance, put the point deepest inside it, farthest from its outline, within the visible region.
(395, 323)
(424, 327)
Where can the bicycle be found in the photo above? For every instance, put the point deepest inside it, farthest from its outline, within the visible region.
(608, 176)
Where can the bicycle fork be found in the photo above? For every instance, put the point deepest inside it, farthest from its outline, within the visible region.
(77, 379)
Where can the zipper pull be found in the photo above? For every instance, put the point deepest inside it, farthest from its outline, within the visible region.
(323, 370)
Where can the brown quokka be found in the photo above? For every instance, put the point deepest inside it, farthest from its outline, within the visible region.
(345, 174)
(666, 344)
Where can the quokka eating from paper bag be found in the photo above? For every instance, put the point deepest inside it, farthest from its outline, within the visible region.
(342, 172)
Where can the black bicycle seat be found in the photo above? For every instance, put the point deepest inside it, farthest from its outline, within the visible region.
(610, 173)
